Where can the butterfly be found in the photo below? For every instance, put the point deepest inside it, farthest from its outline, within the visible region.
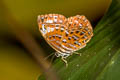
(65, 35)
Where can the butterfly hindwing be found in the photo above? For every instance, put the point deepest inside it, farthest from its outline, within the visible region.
(78, 32)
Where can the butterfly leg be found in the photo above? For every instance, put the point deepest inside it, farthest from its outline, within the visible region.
(57, 54)
(63, 57)
(77, 53)
(65, 61)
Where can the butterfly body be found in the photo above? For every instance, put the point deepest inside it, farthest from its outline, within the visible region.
(65, 35)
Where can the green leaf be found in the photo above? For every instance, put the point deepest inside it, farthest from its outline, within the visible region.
(100, 59)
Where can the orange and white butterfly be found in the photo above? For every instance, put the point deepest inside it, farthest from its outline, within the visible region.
(65, 35)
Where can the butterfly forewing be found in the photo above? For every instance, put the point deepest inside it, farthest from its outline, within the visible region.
(52, 27)
(48, 23)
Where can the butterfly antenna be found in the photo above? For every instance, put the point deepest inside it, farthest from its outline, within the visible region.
(48, 56)
(52, 59)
